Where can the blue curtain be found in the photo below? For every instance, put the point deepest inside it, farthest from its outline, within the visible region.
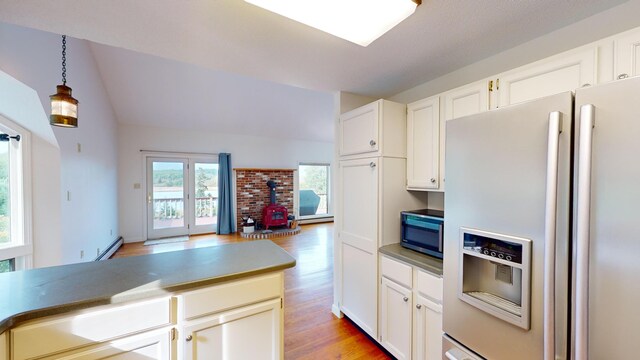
(226, 219)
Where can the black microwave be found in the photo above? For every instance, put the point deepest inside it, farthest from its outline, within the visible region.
(422, 231)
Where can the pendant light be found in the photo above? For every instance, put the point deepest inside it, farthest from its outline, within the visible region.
(64, 108)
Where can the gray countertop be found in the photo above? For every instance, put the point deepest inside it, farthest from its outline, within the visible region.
(426, 262)
(40, 292)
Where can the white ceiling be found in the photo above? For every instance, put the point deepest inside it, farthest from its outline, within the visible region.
(230, 58)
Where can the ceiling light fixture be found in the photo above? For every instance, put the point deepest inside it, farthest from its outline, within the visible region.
(64, 108)
(359, 21)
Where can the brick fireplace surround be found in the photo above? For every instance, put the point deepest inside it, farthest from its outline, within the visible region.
(252, 192)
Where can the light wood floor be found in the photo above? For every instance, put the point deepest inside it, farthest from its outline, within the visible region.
(310, 330)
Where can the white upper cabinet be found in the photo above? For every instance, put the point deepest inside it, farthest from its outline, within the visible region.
(466, 100)
(423, 144)
(627, 55)
(565, 72)
(375, 129)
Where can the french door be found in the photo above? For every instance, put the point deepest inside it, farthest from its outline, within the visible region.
(182, 196)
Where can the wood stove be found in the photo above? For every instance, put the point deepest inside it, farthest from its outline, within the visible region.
(274, 214)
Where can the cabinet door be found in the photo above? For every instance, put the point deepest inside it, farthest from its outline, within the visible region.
(358, 234)
(155, 346)
(423, 144)
(395, 319)
(428, 329)
(252, 332)
(359, 130)
(466, 100)
(547, 77)
(627, 55)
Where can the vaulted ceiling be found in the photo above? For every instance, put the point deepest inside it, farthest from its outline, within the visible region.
(191, 59)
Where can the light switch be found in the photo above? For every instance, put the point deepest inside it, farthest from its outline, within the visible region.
(79, 147)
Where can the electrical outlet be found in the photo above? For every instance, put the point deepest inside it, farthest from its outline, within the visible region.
(81, 254)
(111, 232)
(97, 252)
(79, 147)
(68, 195)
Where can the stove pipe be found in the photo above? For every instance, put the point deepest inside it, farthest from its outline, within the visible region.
(272, 193)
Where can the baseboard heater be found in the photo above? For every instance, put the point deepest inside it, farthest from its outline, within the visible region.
(111, 249)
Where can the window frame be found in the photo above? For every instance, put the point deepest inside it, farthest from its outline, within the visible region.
(20, 248)
(329, 213)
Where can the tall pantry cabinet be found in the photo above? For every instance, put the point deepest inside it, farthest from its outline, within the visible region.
(371, 193)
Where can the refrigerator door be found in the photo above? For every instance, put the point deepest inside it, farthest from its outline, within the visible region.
(497, 167)
(607, 238)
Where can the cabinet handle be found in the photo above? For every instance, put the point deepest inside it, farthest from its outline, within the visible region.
(405, 299)
(586, 85)
(372, 142)
(372, 164)
(433, 180)
(189, 338)
(418, 306)
(622, 76)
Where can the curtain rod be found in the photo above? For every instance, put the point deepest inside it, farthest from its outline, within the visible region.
(177, 152)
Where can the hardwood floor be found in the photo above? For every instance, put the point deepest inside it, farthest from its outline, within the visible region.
(310, 329)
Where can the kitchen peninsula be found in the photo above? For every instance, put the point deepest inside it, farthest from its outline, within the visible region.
(185, 304)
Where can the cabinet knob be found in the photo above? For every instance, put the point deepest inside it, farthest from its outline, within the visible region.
(622, 76)
(405, 299)
(418, 306)
(372, 164)
(372, 143)
(189, 338)
(433, 180)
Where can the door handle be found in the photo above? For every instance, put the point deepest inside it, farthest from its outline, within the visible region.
(551, 206)
(149, 198)
(583, 217)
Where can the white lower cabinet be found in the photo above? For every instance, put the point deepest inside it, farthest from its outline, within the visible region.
(410, 311)
(395, 320)
(251, 332)
(156, 345)
(427, 329)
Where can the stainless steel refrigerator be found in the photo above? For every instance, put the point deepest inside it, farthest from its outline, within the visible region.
(542, 230)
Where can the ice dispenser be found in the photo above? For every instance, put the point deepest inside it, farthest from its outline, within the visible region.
(495, 274)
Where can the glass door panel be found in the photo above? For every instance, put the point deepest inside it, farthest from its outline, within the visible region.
(205, 202)
(166, 197)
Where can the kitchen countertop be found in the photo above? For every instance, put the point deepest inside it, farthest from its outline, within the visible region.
(425, 262)
(41, 292)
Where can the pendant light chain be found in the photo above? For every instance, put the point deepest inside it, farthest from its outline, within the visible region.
(64, 59)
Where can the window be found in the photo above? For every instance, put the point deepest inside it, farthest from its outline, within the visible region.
(15, 242)
(313, 182)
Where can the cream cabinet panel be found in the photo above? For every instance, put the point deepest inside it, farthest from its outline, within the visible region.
(375, 129)
(466, 100)
(156, 346)
(548, 77)
(627, 55)
(4, 351)
(252, 332)
(89, 327)
(359, 288)
(395, 319)
(427, 329)
(359, 130)
(359, 203)
(423, 144)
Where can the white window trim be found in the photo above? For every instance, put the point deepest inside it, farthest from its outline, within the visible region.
(308, 219)
(21, 225)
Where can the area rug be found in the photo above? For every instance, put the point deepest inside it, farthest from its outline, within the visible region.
(166, 240)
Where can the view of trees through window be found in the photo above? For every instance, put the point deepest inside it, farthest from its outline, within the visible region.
(6, 266)
(314, 186)
(4, 193)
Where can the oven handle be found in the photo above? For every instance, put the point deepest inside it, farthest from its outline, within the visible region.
(440, 238)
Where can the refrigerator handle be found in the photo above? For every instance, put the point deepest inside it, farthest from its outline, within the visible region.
(587, 122)
(551, 201)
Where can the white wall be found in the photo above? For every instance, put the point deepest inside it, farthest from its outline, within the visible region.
(246, 152)
(89, 220)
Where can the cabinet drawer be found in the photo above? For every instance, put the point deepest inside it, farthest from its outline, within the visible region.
(231, 295)
(396, 271)
(429, 286)
(84, 328)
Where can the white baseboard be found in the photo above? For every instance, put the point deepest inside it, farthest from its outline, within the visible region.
(111, 249)
(335, 309)
(316, 220)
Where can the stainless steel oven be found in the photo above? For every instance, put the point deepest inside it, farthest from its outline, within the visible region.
(422, 231)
